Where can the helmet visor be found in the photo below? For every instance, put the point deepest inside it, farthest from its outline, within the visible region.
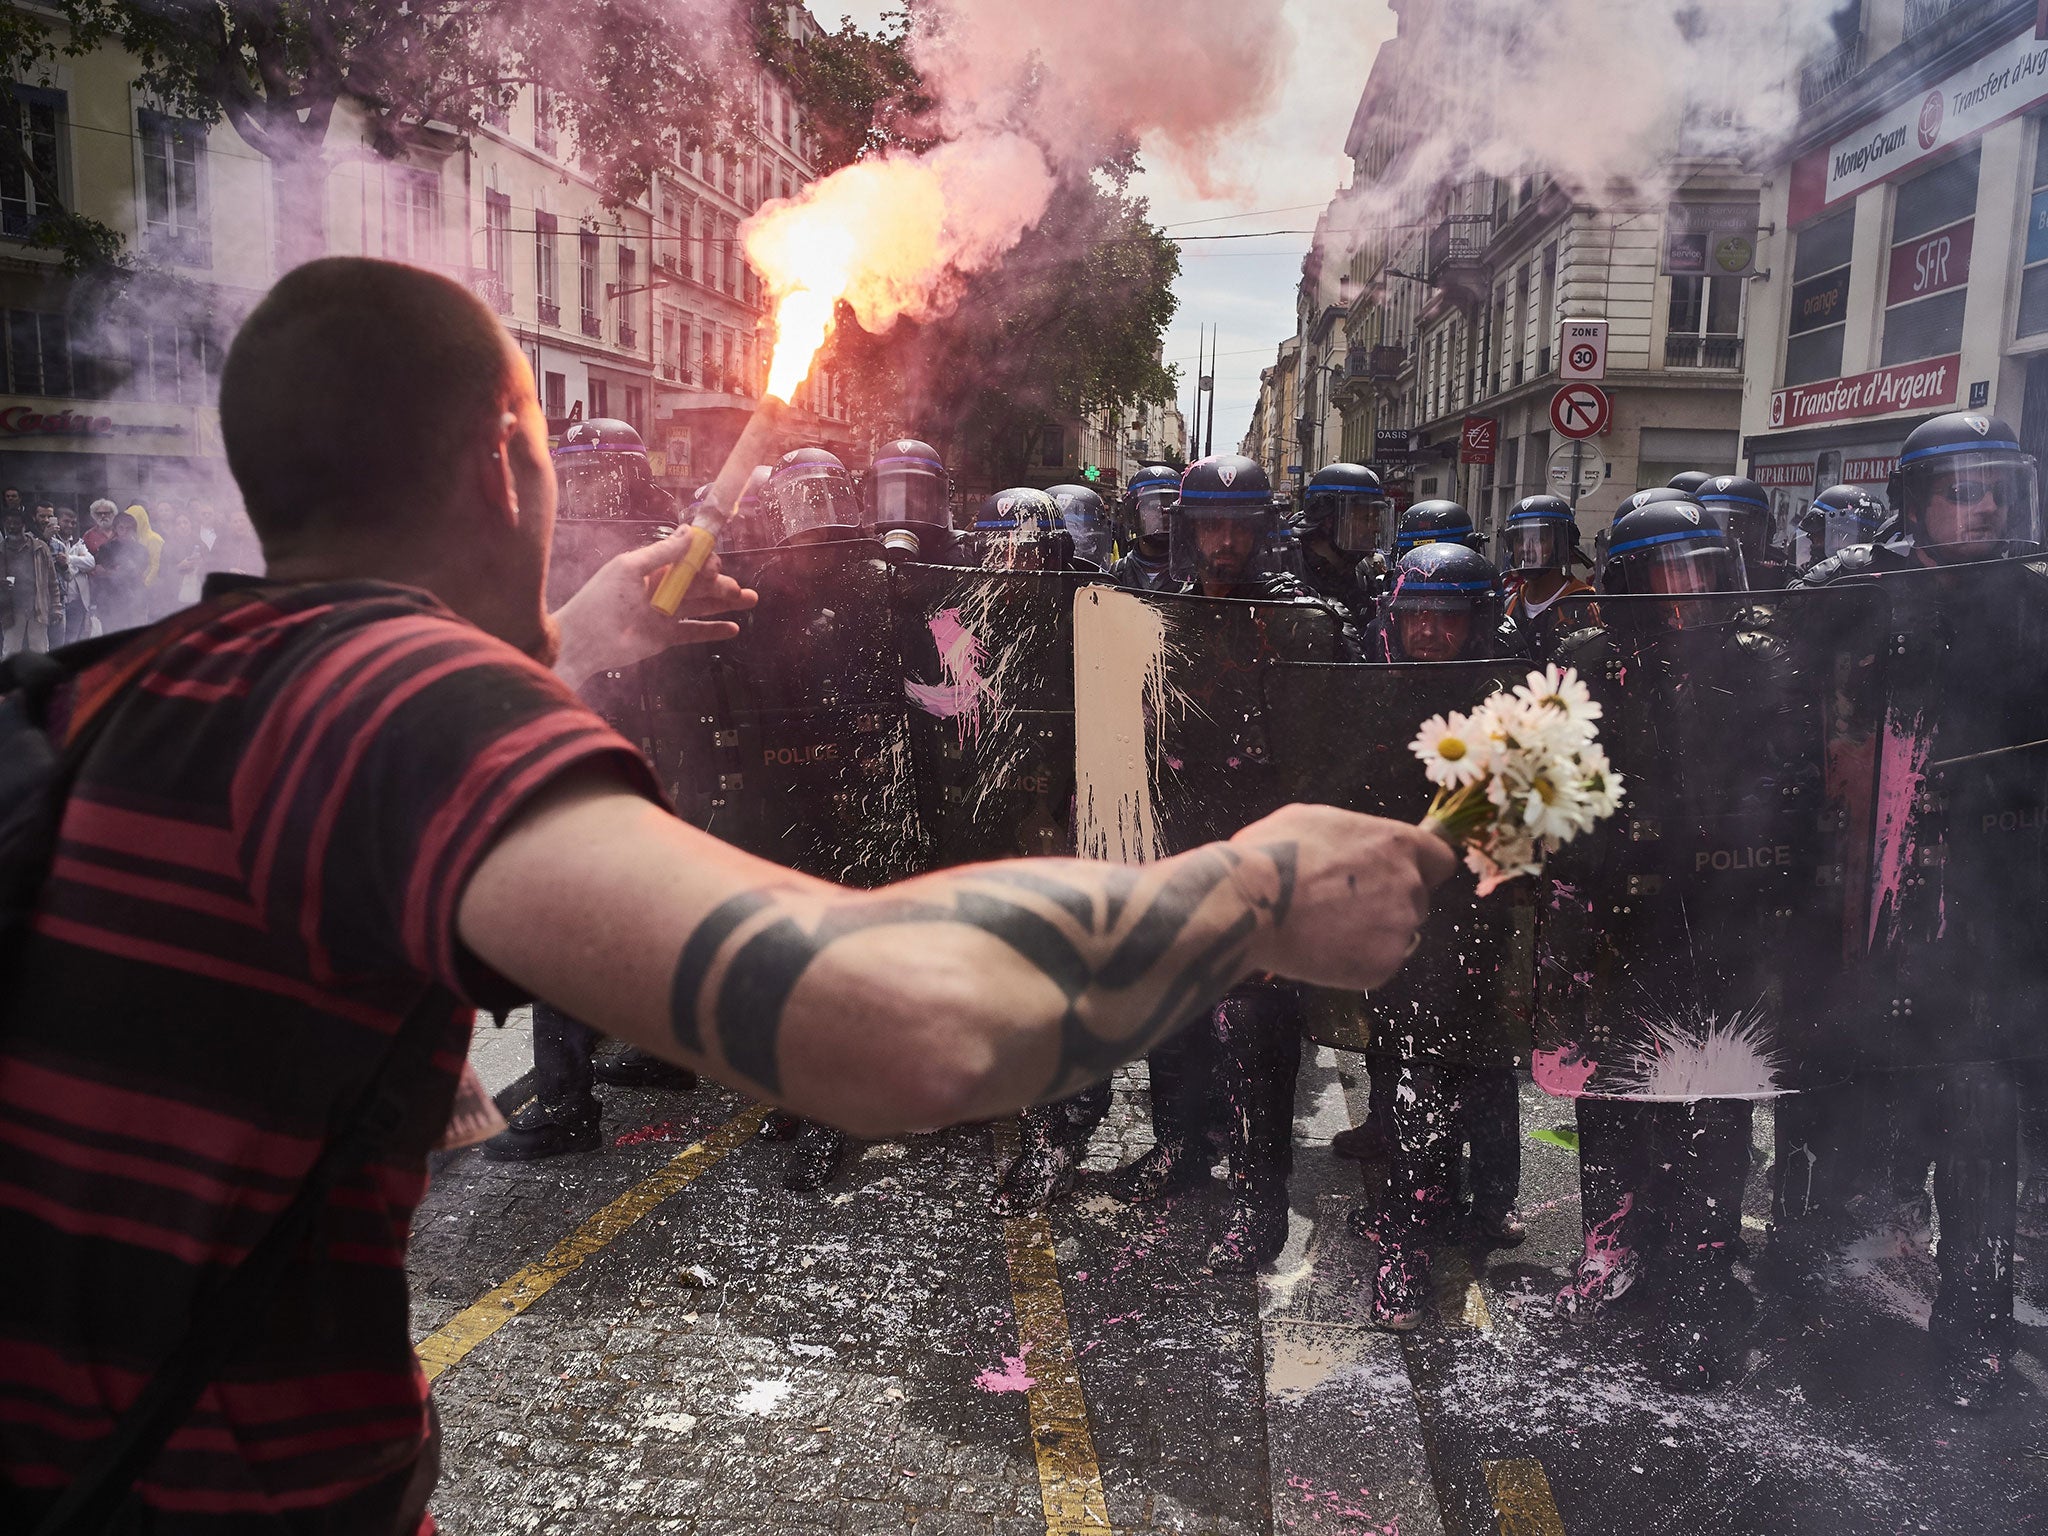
(1974, 503)
(810, 497)
(1090, 534)
(1221, 542)
(1154, 502)
(1540, 544)
(1358, 525)
(1677, 564)
(908, 491)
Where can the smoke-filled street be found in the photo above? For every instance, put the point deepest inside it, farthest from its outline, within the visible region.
(723, 1357)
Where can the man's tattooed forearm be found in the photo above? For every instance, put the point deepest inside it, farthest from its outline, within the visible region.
(763, 969)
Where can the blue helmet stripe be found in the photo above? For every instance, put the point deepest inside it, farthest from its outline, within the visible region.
(1972, 447)
(1254, 499)
(1410, 584)
(1690, 535)
(909, 459)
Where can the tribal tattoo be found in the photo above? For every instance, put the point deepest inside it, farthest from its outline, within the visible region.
(1093, 930)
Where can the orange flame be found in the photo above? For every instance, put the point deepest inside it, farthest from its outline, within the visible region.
(891, 237)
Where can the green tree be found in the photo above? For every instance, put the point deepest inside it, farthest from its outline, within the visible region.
(28, 47)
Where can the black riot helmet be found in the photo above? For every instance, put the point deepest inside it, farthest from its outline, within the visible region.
(752, 525)
(1966, 491)
(1148, 500)
(1743, 509)
(1019, 530)
(907, 501)
(601, 467)
(1673, 548)
(1843, 515)
(1224, 522)
(1541, 534)
(1650, 498)
(1086, 521)
(1347, 502)
(1689, 481)
(812, 495)
(1434, 522)
(1444, 604)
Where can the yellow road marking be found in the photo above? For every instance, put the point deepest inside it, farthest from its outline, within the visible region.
(445, 1347)
(1521, 1498)
(1069, 1477)
(1459, 1300)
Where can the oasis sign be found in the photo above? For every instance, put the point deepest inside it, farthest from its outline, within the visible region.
(2003, 83)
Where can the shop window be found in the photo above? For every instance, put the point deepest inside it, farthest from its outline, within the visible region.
(26, 200)
(175, 220)
(412, 215)
(2033, 319)
(1820, 299)
(1928, 274)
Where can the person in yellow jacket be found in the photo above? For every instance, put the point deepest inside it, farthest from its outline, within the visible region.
(157, 598)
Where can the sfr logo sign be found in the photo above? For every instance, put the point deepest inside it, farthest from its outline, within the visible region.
(1930, 264)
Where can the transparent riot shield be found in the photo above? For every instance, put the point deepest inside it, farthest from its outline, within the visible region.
(988, 673)
(794, 741)
(1340, 735)
(1957, 886)
(602, 516)
(1699, 944)
(1170, 732)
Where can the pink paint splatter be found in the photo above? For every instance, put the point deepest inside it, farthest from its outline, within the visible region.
(1901, 771)
(1606, 1257)
(1010, 1378)
(660, 1130)
(960, 655)
(1562, 1073)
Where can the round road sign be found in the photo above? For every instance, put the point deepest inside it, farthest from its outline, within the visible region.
(1576, 471)
(1581, 410)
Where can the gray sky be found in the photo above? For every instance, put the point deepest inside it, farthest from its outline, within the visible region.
(1283, 173)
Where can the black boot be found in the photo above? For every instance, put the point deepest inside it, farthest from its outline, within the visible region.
(1975, 1178)
(1041, 1172)
(813, 1158)
(1168, 1169)
(1372, 1139)
(635, 1068)
(537, 1131)
(1256, 1229)
(1490, 1115)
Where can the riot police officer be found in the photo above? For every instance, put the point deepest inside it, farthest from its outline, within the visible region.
(1690, 480)
(1020, 530)
(750, 527)
(810, 494)
(1840, 516)
(609, 502)
(564, 1115)
(908, 501)
(1343, 521)
(1143, 512)
(1538, 547)
(1649, 496)
(1086, 522)
(1743, 509)
(1431, 522)
(1964, 493)
(1661, 1182)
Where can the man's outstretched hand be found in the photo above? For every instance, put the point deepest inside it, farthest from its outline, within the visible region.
(610, 623)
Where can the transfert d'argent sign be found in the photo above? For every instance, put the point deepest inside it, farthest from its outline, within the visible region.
(1908, 387)
(2010, 79)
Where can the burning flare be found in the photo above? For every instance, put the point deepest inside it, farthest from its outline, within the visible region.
(890, 237)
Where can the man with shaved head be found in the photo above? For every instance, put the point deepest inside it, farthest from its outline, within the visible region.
(347, 803)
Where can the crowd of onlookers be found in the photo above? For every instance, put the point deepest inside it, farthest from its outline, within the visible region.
(64, 577)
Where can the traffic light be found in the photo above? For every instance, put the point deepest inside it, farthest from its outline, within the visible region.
(1091, 473)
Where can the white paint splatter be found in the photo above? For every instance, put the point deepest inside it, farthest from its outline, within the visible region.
(671, 1423)
(1121, 699)
(1703, 1057)
(763, 1398)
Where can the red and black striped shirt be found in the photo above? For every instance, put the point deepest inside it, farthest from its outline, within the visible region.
(257, 878)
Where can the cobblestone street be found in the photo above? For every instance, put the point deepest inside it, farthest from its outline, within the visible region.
(690, 1349)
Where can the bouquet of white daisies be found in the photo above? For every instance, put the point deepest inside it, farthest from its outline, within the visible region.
(1519, 777)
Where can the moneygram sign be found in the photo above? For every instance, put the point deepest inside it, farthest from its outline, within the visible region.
(2008, 81)
(1910, 386)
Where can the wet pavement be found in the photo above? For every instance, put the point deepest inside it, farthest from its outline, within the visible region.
(657, 1338)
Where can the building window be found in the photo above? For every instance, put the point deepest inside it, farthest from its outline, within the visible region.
(544, 120)
(39, 358)
(1929, 271)
(728, 379)
(498, 250)
(173, 187)
(1052, 448)
(707, 374)
(546, 276)
(586, 283)
(600, 398)
(2034, 279)
(554, 395)
(412, 215)
(175, 364)
(39, 119)
(1820, 299)
(629, 265)
(1703, 326)
(668, 345)
(706, 234)
(732, 257)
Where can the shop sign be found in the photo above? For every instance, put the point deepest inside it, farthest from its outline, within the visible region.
(1710, 240)
(1820, 301)
(1869, 471)
(2003, 83)
(1785, 476)
(1909, 386)
(27, 421)
(1478, 440)
(1932, 264)
(1390, 445)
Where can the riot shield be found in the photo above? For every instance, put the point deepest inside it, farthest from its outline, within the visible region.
(1958, 878)
(795, 744)
(1170, 731)
(1697, 945)
(988, 673)
(1340, 735)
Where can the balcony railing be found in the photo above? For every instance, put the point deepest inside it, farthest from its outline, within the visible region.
(627, 336)
(494, 291)
(593, 325)
(1825, 76)
(550, 312)
(1681, 351)
(1923, 14)
(669, 371)
(1459, 240)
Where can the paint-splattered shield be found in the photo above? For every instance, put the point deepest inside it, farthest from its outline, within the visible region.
(1340, 735)
(1697, 944)
(804, 730)
(1958, 880)
(1171, 748)
(988, 673)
